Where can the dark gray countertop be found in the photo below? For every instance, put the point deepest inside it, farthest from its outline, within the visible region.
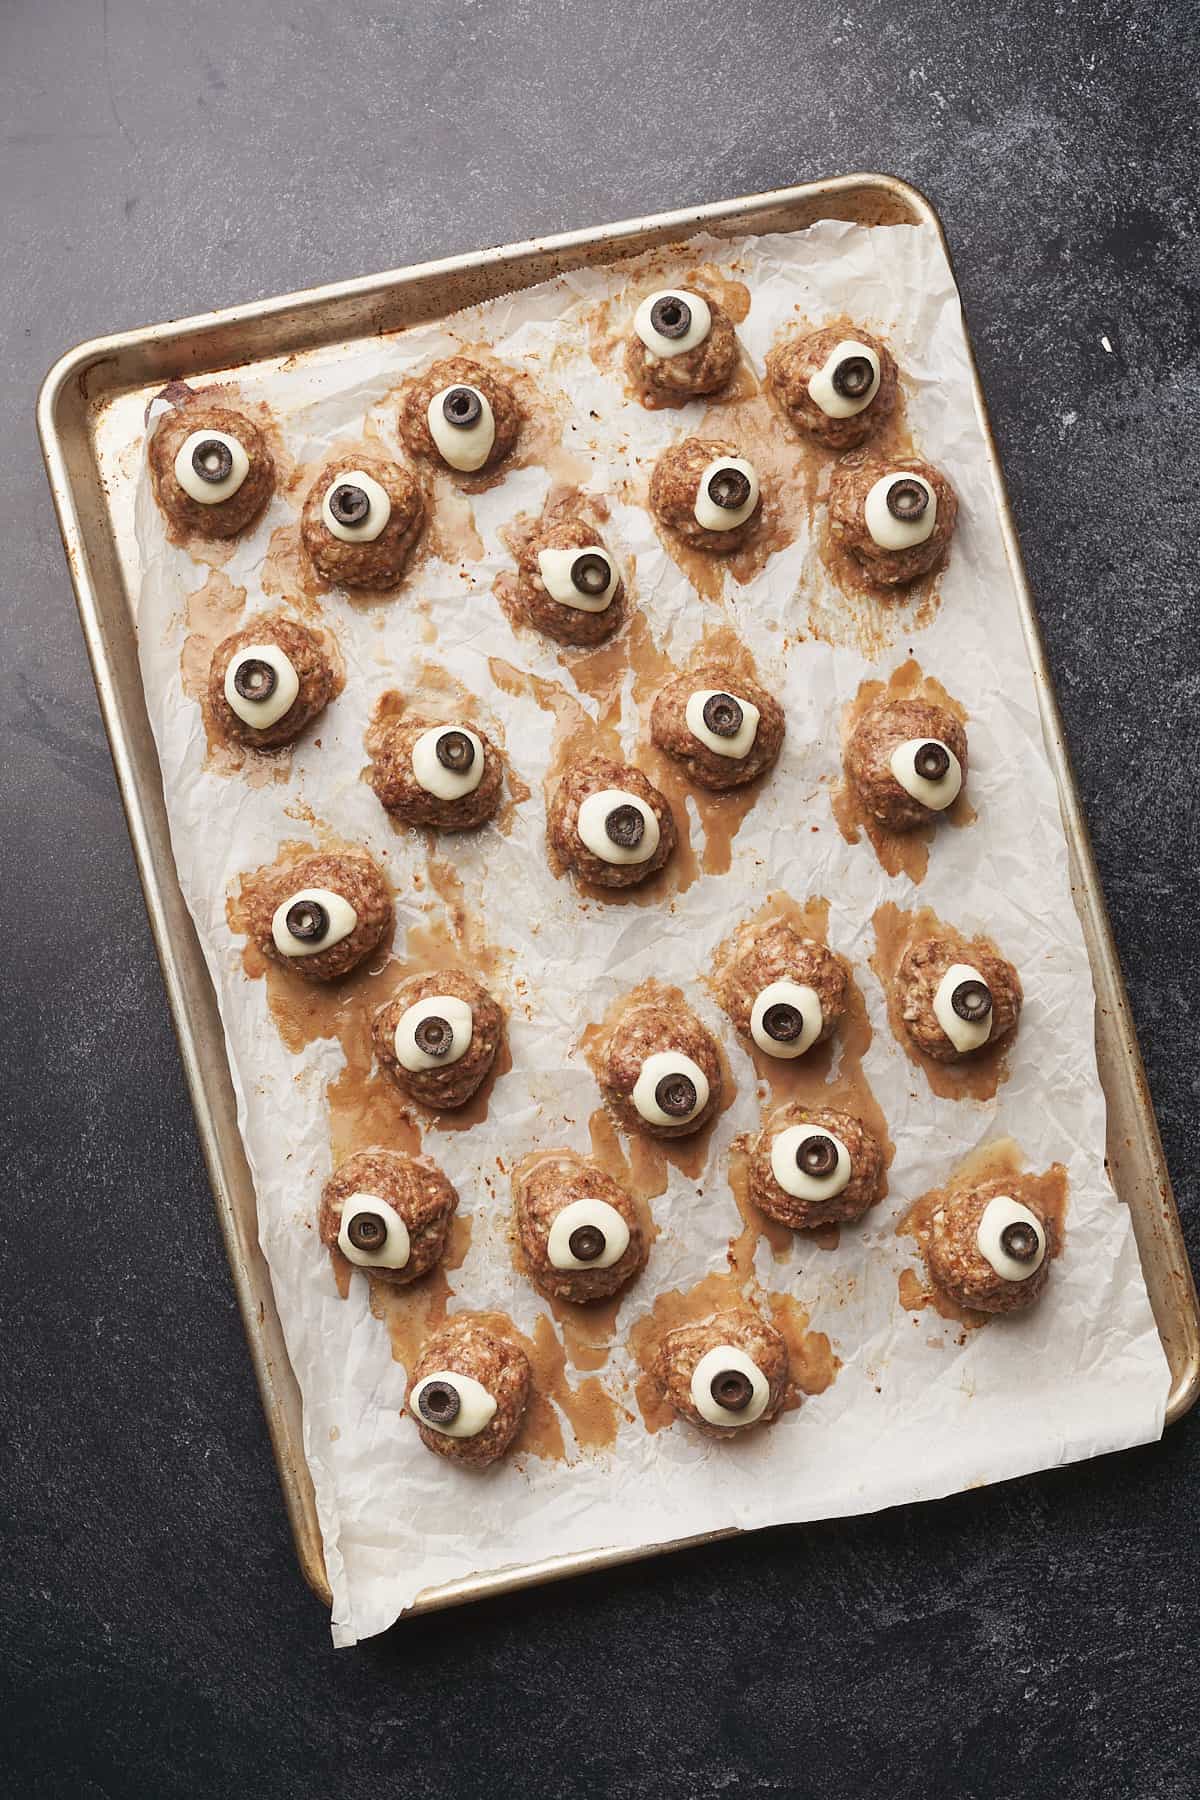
(161, 158)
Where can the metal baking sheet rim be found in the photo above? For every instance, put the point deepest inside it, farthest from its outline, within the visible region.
(71, 401)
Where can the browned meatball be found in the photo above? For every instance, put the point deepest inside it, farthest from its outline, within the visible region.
(434, 1038)
(879, 733)
(705, 369)
(795, 1144)
(619, 832)
(461, 371)
(413, 1187)
(675, 487)
(565, 623)
(257, 682)
(919, 976)
(224, 518)
(727, 1390)
(377, 562)
(764, 954)
(673, 732)
(577, 1268)
(792, 365)
(409, 756)
(468, 1347)
(957, 1264)
(661, 1070)
(351, 879)
(853, 478)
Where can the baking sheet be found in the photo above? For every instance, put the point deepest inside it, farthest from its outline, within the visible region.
(916, 1408)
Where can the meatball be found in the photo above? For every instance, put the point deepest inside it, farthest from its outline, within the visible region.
(783, 991)
(361, 521)
(448, 776)
(579, 619)
(580, 1233)
(726, 1374)
(815, 1166)
(659, 371)
(320, 916)
(388, 1214)
(722, 727)
(714, 511)
(989, 1249)
(609, 824)
(957, 996)
(472, 442)
(227, 484)
(910, 505)
(437, 1037)
(843, 382)
(660, 1071)
(901, 761)
(468, 1391)
(248, 692)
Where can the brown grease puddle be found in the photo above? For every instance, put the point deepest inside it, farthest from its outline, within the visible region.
(977, 1076)
(435, 694)
(589, 1409)
(412, 1314)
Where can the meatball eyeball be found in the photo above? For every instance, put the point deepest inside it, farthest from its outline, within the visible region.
(957, 997)
(706, 493)
(783, 991)
(661, 1071)
(388, 1214)
(468, 1391)
(609, 824)
(437, 1038)
(724, 1375)
(682, 345)
(815, 1166)
(569, 586)
(989, 1250)
(461, 415)
(268, 681)
(723, 728)
(361, 521)
(907, 762)
(211, 469)
(448, 776)
(320, 916)
(895, 520)
(580, 1233)
(838, 384)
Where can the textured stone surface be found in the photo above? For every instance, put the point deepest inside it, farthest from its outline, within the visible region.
(1035, 1640)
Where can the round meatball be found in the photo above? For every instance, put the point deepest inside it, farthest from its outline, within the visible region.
(224, 518)
(884, 726)
(681, 1351)
(349, 877)
(763, 954)
(377, 562)
(596, 775)
(792, 365)
(675, 485)
(957, 1264)
(648, 1070)
(450, 1074)
(853, 478)
(919, 976)
(577, 1269)
(461, 371)
(393, 775)
(803, 1212)
(702, 762)
(705, 369)
(413, 1187)
(314, 672)
(566, 624)
(468, 1347)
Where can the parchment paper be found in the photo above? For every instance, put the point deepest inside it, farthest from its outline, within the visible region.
(919, 1408)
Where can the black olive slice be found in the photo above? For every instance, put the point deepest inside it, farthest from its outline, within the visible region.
(783, 1022)
(729, 489)
(461, 407)
(434, 1035)
(255, 679)
(972, 1000)
(817, 1156)
(932, 761)
(732, 1389)
(439, 1402)
(676, 1096)
(907, 501)
(852, 377)
(307, 920)
(455, 751)
(1020, 1241)
(590, 574)
(586, 1243)
(367, 1231)
(348, 504)
(212, 460)
(671, 316)
(625, 827)
(723, 715)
